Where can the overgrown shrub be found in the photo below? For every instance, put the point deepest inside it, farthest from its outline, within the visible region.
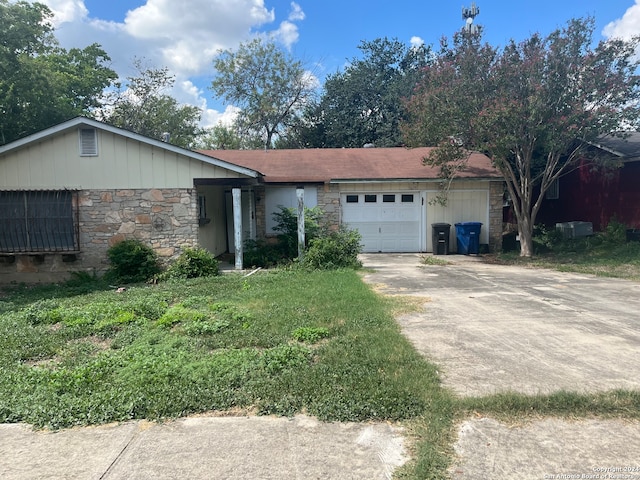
(338, 249)
(287, 224)
(615, 233)
(193, 263)
(132, 262)
(260, 253)
(546, 239)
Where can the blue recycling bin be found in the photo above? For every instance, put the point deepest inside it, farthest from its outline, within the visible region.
(468, 237)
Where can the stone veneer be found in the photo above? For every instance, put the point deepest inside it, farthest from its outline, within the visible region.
(165, 219)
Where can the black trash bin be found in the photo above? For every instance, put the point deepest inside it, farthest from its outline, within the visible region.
(468, 237)
(440, 238)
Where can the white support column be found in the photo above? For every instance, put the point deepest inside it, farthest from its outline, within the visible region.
(237, 225)
(301, 239)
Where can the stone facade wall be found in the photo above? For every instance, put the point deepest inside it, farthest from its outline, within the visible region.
(329, 201)
(166, 220)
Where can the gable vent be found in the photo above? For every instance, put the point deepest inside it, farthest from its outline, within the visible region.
(88, 142)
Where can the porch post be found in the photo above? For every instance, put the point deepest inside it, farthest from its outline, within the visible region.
(237, 225)
(301, 239)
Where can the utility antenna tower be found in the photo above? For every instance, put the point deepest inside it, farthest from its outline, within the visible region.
(468, 15)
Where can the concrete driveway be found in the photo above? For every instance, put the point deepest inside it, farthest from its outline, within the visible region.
(494, 328)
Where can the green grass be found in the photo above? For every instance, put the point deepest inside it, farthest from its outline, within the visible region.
(279, 342)
(598, 255)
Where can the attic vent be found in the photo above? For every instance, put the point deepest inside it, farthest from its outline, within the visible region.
(88, 142)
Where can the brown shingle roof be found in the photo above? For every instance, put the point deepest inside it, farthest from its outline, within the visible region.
(331, 164)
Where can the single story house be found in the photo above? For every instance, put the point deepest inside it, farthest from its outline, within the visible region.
(71, 191)
(596, 194)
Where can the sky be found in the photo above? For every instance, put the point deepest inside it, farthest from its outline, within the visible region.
(186, 35)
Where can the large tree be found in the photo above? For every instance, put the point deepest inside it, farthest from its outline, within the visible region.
(269, 86)
(42, 84)
(143, 105)
(533, 107)
(363, 103)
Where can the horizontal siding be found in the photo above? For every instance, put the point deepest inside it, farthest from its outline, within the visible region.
(462, 206)
(121, 163)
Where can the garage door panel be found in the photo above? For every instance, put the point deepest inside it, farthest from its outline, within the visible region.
(385, 226)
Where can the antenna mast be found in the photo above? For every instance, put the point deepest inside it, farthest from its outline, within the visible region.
(468, 15)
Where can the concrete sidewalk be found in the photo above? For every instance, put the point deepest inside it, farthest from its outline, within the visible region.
(204, 448)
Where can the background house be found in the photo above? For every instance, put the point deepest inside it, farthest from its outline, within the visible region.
(596, 194)
(71, 191)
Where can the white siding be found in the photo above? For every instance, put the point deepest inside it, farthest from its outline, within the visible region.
(121, 163)
(462, 206)
(286, 197)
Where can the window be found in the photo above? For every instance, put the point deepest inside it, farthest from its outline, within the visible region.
(370, 198)
(88, 142)
(407, 198)
(38, 221)
(553, 192)
(388, 198)
(352, 198)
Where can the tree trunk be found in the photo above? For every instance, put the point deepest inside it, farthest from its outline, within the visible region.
(525, 231)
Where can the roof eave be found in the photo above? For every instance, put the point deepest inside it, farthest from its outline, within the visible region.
(79, 121)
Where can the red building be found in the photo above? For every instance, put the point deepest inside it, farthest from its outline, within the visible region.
(596, 194)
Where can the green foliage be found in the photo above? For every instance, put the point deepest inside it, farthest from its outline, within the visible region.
(220, 346)
(219, 137)
(132, 262)
(268, 85)
(376, 85)
(525, 106)
(310, 334)
(144, 107)
(180, 314)
(277, 359)
(42, 84)
(192, 263)
(615, 232)
(287, 226)
(44, 311)
(338, 249)
(261, 253)
(324, 248)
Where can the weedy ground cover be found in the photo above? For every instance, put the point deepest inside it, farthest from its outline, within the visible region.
(280, 342)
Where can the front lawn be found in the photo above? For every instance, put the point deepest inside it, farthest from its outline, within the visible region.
(277, 342)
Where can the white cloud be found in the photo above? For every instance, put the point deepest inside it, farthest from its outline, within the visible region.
(416, 42)
(184, 36)
(66, 10)
(625, 27)
(296, 13)
(287, 34)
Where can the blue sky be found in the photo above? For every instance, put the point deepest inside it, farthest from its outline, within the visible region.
(184, 35)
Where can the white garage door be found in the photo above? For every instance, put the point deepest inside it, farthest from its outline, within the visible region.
(388, 222)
